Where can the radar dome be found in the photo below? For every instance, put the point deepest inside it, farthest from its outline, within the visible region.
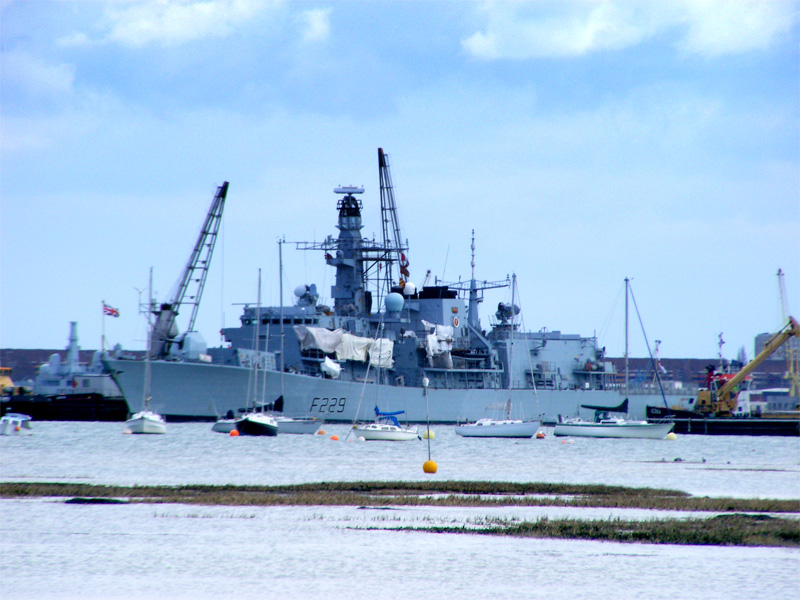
(300, 290)
(394, 302)
(410, 289)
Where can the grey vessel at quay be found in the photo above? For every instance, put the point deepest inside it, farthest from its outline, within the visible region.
(383, 342)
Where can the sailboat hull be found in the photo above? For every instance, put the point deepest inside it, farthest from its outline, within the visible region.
(257, 424)
(146, 422)
(300, 425)
(630, 429)
(498, 429)
(387, 433)
(224, 425)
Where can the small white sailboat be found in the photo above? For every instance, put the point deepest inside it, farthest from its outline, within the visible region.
(504, 427)
(15, 424)
(507, 428)
(605, 426)
(386, 428)
(147, 420)
(255, 421)
(613, 427)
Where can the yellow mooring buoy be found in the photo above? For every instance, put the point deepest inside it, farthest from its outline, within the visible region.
(429, 466)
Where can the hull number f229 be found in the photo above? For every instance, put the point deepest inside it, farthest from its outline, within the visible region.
(328, 405)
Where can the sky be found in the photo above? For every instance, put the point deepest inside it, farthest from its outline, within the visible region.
(583, 142)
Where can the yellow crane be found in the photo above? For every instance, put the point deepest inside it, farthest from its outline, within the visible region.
(722, 400)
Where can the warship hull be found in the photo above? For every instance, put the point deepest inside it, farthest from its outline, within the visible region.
(202, 392)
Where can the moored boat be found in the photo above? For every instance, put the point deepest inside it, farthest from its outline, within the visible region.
(613, 428)
(257, 423)
(385, 432)
(225, 424)
(146, 421)
(507, 428)
(15, 424)
(298, 425)
(386, 428)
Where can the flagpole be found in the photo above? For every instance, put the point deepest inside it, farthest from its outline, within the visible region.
(103, 328)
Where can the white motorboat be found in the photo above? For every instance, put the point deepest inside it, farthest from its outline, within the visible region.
(146, 421)
(15, 424)
(508, 428)
(613, 428)
(386, 427)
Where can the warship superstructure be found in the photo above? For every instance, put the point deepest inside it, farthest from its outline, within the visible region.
(67, 390)
(382, 342)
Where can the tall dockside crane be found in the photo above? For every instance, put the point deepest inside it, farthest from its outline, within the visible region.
(392, 239)
(189, 288)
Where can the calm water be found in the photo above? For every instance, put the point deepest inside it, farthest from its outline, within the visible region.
(54, 550)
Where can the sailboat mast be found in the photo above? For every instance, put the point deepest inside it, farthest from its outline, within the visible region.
(280, 285)
(257, 345)
(146, 391)
(627, 284)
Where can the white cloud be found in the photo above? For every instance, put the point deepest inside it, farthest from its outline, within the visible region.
(171, 23)
(522, 29)
(317, 25)
(735, 26)
(577, 29)
(74, 40)
(32, 76)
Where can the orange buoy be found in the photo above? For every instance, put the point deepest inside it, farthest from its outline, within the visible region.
(429, 466)
(321, 432)
(335, 438)
(540, 435)
(234, 432)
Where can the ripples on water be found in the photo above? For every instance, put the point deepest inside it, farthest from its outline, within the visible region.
(54, 550)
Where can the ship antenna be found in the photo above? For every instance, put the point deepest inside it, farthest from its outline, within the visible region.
(473, 255)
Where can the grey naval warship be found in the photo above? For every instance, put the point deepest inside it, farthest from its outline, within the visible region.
(383, 343)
